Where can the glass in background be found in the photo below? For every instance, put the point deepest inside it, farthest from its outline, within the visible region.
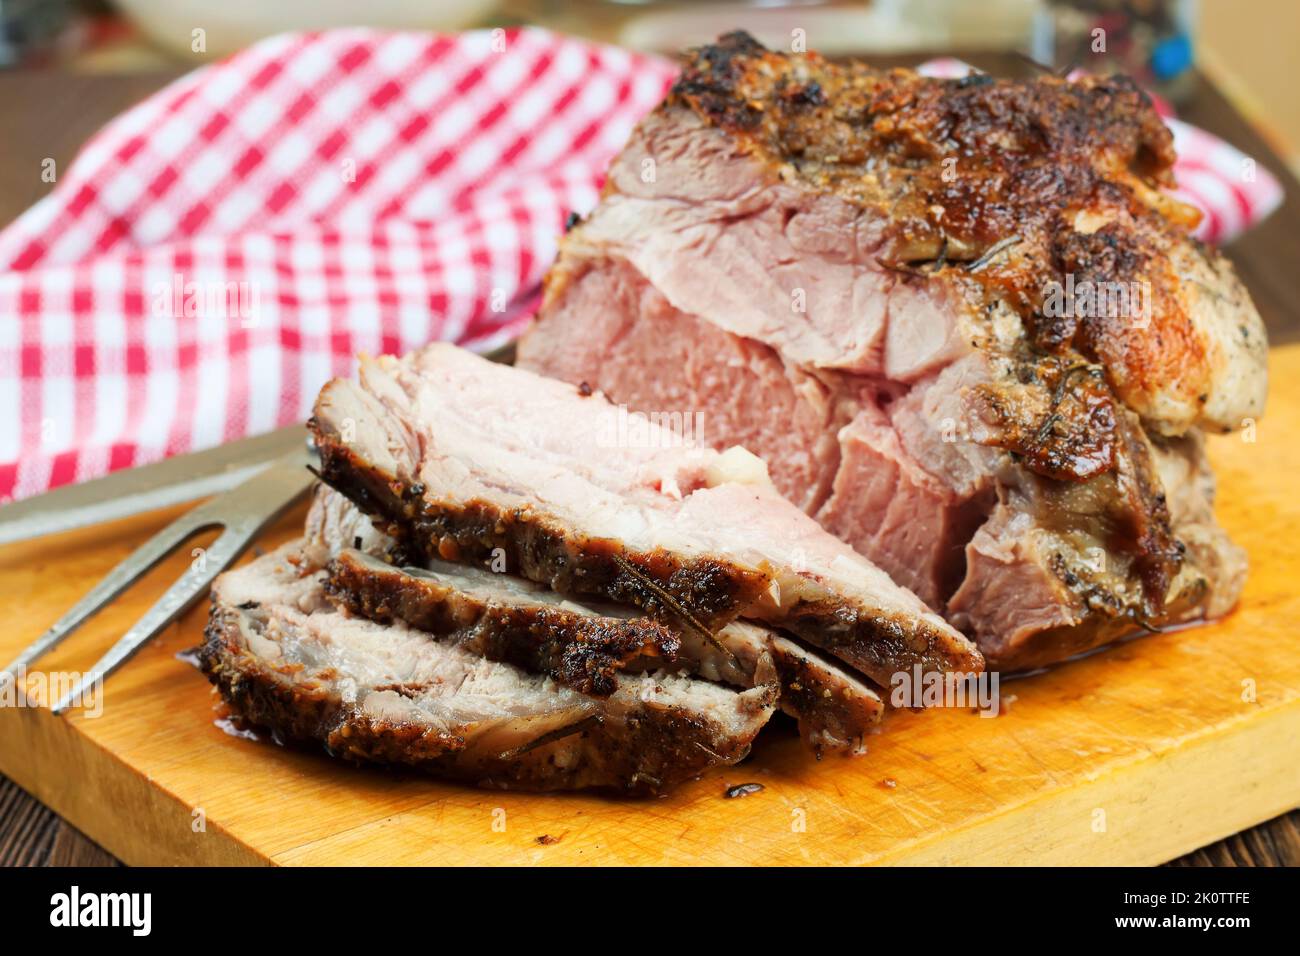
(1151, 40)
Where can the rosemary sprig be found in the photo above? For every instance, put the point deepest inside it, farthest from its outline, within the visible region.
(676, 607)
(559, 733)
(993, 251)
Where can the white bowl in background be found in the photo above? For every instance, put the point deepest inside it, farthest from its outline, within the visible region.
(231, 25)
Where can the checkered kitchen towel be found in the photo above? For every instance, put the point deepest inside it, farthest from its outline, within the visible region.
(217, 253)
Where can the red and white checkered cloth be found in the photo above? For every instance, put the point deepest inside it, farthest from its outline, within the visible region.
(217, 253)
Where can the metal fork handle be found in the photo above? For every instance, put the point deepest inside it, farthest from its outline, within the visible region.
(244, 512)
(175, 601)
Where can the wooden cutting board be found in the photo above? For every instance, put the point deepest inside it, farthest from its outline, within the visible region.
(1133, 755)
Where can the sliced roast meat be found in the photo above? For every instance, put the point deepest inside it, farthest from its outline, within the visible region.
(835, 709)
(507, 618)
(510, 618)
(284, 658)
(470, 460)
(859, 276)
(504, 618)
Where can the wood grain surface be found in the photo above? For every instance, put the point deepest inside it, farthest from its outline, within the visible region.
(50, 115)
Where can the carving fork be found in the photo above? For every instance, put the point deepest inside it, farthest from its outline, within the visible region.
(243, 512)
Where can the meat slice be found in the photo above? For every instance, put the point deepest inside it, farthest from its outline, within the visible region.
(505, 617)
(860, 276)
(498, 616)
(835, 709)
(283, 658)
(471, 461)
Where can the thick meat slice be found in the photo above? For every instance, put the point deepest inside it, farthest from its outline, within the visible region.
(473, 461)
(499, 616)
(503, 618)
(285, 659)
(510, 618)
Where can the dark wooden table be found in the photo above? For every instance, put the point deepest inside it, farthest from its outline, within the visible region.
(49, 115)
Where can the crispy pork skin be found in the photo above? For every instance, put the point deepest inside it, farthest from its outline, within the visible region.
(860, 275)
(285, 659)
(463, 459)
(505, 617)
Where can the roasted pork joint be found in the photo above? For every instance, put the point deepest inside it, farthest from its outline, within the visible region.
(467, 460)
(958, 320)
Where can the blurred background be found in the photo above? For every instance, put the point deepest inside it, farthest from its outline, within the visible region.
(1244, 47)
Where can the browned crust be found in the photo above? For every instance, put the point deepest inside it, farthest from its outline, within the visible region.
(636, 757)
(831, 120)
(1056, 417)
(960, 165)
(878, 647)
(1106, 621)
(1158, 553)
(713, 591)
(582, 652)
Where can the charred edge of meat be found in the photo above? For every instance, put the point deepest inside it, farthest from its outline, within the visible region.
(1108, 620)
(830, 704)
(639, 758)
(712, 74)
(682, 615)
(582, 652)
(877, 646)
(307, 713)
(825, 718)
(586, 652)
(1083, 434)
(1031, 154)
(1107, 258)
(1073, 438)
(833, 120)
(714, 591)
